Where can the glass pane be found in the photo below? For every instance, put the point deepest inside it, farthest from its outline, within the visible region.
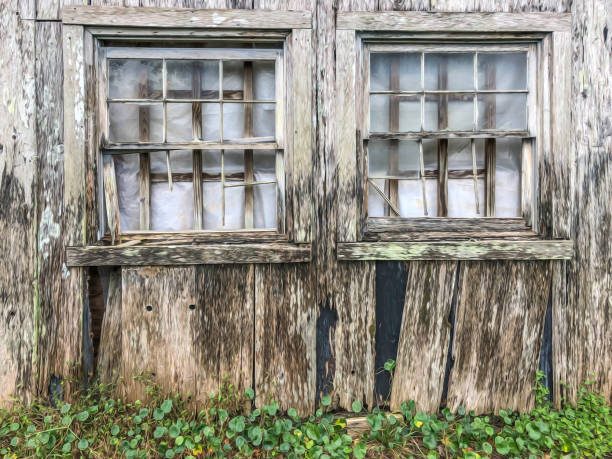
(395, 71)
(460, 154)
(128, 191)
(263, 80)
(459, 112)
(461, 198)
(135, 122)
(407, 108)
(184, 76)
(502, 111)
(211, 122)
(264, 165)
(452, 71)
(181, 161)
(264, 206)
(397, 158)
(508, 177)
(233, 80)
(376, 204)
(179, 122)
(504, 71)
(234, 121)
(134, 79)
(172, 210)
(411, 191)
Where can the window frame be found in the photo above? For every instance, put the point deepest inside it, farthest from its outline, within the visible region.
(395, 238)
(108, 148)
(85, 30)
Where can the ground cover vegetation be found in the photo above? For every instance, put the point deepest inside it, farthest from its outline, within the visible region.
(97, 424)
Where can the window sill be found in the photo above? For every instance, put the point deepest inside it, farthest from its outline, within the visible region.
(205, 254)
(457, 250)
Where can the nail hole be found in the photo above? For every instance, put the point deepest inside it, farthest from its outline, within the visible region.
(192, 306)
(149, 307)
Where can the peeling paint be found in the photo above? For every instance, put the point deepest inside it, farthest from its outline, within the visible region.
(65, 271)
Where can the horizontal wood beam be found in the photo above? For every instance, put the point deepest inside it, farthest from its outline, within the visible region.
(390, 21)
(459, 250)
(490, 134)
(189, 18)
(210, 254)
(122, 148)
(442, 224)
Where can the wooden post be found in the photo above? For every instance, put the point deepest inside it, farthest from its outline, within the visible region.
(248, 154)
(144, 172)
(196, 130)
(443, 143)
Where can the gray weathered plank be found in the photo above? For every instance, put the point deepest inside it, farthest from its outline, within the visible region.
(498, 332)
(187, 254)
(424, 336)
(459, 250)
(191, 18)
(443, 224)
(456, 22)
(285, 342)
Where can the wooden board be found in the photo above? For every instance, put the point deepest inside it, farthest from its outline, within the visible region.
(156, 330)
(285, 345)
(223, 329)
(424, 336)
(18, 219)
(110, 350)
(498, 332)
(457, 250)
(214, 254)
(191, 18)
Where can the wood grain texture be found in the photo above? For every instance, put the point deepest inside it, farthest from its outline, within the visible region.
(582, 289)
(424, 336)
(468, 22)
(191, 18)
(223, 330)
(110, 350)
(18, 176)
(497, 338)
(285, 346)
(216, 254)
(457, 250)
(155, 324)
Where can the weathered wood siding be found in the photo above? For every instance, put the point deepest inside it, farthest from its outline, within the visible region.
(463, 333)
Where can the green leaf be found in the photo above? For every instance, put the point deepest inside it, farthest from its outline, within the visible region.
(158, 414)
(174, 431)
(115, 430)
(14, 427)
(389, 365)
(237, 424)
(83, 444)
(65, 408)
(169, 453)
(240, 441)
(44, 438)
(430, 441)
(461, 411)
(249, 393)
(487, 447)
(166, 406)
(501, 445)
(326, 400)
(179, 440)
(66, 420)
(82, 416)
(137, 419)
(66, 448)
(223, 415)
(14, 441)
(360, 450)
(159, 432)
(356, 406)
(292, 413)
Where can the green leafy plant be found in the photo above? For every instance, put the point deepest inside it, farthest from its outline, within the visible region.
(98, 424)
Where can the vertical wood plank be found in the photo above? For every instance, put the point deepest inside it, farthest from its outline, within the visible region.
(144, 172)
(223, 329)
(345, 137)
(248, 154)
(111, 199)
(155, 320)
(424, 336)
(196, 130)
(498, 331)
(285, 344)
(110, 350)
(19, 314)
(443, 143)
(490, 144)
(70, 326)
(392, 186)
(302, 134)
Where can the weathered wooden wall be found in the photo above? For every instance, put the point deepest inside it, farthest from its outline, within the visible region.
(462, 333)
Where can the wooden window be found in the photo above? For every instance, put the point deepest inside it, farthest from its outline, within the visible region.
(445, 132)
(448, 125)
(195, 136)
(190, 135)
